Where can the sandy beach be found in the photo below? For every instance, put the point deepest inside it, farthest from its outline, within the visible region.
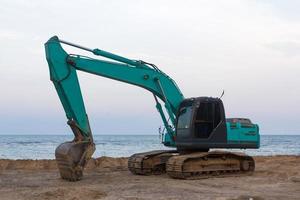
(276, 177)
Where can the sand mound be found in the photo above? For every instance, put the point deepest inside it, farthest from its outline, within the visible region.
(95, 163)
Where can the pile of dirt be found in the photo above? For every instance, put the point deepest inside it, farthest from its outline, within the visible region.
(94, 163)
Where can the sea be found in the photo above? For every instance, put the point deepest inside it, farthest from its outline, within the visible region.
(43, 146)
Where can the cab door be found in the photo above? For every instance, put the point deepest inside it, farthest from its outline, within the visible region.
(207, 119)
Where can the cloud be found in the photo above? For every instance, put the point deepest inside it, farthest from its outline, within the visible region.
(10, 35)
(288, 48)
(287, 10)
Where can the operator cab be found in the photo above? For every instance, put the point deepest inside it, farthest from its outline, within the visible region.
(201, 124)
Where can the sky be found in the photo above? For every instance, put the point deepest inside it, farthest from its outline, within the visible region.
(250, 49)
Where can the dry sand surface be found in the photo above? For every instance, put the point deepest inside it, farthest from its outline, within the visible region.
(276, 177)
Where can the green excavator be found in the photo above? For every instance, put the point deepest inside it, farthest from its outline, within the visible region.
(192, 126)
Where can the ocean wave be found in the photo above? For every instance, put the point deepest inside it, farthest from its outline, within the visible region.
(43, 147)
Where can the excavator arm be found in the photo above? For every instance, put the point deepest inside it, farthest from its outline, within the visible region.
(63, 73)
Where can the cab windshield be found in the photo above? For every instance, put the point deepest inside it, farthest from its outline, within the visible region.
(184, 118)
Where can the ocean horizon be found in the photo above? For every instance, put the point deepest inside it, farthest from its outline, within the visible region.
(33, 146)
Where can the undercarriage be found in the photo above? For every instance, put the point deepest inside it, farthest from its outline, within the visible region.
(195, 165)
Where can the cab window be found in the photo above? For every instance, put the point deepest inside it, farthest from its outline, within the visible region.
(184, 118)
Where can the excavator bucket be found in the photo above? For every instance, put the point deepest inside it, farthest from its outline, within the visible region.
(71, 158)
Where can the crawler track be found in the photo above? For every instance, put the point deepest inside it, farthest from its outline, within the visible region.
(152, 162)
(209, 164)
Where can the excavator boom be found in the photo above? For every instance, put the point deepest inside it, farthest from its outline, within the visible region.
(63, 73)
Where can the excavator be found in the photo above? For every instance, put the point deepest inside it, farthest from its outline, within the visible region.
(192, 126)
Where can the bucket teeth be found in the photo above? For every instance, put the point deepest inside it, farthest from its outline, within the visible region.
(71, 158)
